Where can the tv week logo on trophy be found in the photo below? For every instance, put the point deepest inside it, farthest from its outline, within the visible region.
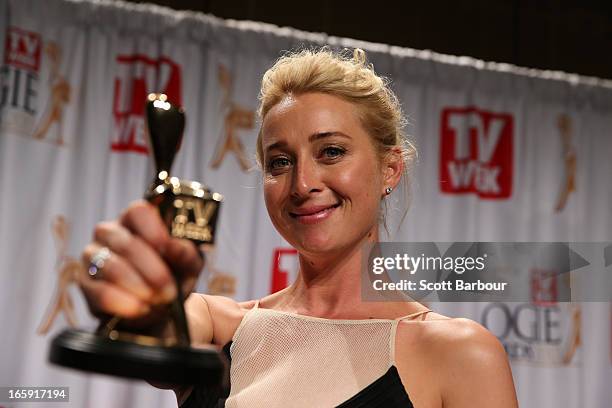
(137, 76)
(476, 152)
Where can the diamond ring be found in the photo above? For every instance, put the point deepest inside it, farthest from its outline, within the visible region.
(97, 261)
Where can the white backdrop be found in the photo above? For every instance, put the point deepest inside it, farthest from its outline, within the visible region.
(505, 154)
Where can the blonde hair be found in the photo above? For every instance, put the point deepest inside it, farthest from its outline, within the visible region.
(349, 77)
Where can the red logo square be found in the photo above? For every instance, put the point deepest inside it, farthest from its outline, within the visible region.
(137, 76)
(476, 152)
(22, 49)
(280, 277)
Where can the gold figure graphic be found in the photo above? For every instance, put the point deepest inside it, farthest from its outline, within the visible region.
(60, 95)
(575, 337)
(219, 282)
(222, 284)
(569, 157)
(69, 271)
(237, 117)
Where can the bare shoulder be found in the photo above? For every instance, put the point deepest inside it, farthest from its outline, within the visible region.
(214, 319)
(444, 334)
(464, 357)
(464, 346)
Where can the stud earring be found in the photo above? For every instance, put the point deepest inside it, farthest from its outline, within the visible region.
(388, 190)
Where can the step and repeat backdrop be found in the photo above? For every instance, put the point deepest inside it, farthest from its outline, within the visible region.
(505, 154)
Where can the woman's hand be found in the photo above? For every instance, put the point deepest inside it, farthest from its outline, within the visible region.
(137, 277)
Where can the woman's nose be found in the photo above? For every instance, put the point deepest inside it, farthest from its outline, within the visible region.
(306, 179)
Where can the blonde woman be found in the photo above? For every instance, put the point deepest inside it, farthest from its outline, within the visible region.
(332, 149)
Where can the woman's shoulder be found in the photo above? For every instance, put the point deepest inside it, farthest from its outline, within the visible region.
(453, 339)
(460, 353)
(216, 317)
(441, 331)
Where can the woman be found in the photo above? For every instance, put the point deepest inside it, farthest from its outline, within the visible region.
(331, 148)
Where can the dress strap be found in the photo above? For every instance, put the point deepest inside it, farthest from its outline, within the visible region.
(243, 320)
(396, 322)
(413, 315)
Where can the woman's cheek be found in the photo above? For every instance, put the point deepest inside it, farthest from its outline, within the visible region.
(357, 182)
(274, 199)
(271, 189)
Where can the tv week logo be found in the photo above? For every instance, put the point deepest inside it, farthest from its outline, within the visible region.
(137, 76)
(19, 77)
(22, 49)
(476, 152)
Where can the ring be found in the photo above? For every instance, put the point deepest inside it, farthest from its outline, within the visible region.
(97, 261)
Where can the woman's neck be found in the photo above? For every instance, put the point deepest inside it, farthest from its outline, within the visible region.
(328, 286)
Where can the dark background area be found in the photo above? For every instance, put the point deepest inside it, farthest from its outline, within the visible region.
(566, 35)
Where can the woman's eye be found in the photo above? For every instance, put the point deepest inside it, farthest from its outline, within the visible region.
(278, 163)
(333, 152)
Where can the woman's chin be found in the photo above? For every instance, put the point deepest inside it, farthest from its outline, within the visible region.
(322, 244)
(316, 244)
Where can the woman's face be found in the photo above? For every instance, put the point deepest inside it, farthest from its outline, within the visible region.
(323, 179)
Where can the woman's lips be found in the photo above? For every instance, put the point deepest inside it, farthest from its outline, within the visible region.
(313, 214)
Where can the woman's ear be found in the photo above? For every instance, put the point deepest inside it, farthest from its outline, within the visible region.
(393, 167)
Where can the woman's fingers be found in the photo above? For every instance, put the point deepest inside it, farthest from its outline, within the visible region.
(141, 218)
(118, 271)
(108, 298)
(140, 256)
(182, 256)
(184, 259)
(137, 271)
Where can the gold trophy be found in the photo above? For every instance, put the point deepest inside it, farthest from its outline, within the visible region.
(190, 211)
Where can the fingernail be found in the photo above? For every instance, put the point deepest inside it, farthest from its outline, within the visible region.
(137, 285)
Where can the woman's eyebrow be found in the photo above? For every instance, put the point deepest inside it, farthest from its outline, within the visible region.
(312, 138)
(275, 145)
(322, 135)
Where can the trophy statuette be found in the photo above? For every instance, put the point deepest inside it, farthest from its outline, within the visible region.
(190, 211)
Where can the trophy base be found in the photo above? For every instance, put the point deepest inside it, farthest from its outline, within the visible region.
(169, 365)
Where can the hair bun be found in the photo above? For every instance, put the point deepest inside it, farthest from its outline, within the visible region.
(359, 56)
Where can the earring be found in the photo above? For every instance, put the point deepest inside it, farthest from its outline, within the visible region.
(388, 190)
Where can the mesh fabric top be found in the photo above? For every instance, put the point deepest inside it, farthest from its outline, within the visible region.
(281, 359)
